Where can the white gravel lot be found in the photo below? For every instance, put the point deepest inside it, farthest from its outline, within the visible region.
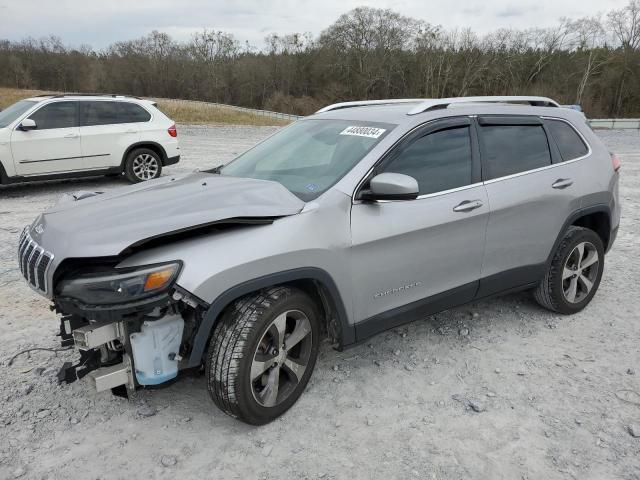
(556, 395)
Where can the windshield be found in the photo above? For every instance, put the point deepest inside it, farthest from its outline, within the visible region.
(9, 114)
(309, 156)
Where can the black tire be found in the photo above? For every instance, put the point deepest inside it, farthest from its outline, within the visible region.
(132, 165)
(237, 337)
(550, 293)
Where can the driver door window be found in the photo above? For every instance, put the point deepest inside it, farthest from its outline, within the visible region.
(439, 161)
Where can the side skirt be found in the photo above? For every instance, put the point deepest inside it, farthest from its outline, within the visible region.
(415, 311)
(60, 176)
(500, 284)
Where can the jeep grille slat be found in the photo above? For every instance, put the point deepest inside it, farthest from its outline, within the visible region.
(34, 262)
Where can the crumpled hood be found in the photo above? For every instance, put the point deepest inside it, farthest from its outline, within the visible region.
(108, 223)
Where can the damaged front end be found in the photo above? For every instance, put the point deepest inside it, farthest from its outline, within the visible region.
(129, 325)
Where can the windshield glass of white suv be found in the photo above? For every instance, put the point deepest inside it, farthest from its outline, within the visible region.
(11, 113)
(309, 156)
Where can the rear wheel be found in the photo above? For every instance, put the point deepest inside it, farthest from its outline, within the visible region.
(262, 354)
(574, 274)
(142, 164)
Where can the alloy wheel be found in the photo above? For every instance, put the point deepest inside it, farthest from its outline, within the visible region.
(145, 166)
(580, 272)
(281, 358)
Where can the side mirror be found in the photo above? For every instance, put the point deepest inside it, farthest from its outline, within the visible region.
(27, 125)
(391, 186)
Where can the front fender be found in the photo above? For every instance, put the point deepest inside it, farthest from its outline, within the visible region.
(305, 273)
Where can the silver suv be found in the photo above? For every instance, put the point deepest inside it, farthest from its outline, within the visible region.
(357, 219)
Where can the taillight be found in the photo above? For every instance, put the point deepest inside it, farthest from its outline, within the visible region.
(172, 130)
(616, 162)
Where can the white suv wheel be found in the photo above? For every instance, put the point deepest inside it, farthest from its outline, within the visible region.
(143, 164)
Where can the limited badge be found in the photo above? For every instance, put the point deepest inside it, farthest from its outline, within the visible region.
(369, 132)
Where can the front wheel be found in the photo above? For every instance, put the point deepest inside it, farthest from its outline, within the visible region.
(574, 274)
(262, 354)
(142, 164)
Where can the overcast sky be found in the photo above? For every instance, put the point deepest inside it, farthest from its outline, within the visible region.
(100, 23)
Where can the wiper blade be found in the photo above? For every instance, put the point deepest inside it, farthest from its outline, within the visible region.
(214, 170)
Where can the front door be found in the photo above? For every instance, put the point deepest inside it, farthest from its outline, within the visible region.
(411, 258)
(54, 146)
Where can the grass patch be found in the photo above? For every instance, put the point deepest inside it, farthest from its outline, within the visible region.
(12, 95)
(195, 113)
(180, 112)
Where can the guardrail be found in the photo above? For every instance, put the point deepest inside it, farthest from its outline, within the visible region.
(616, 123)
(604, 123)
(252, 111)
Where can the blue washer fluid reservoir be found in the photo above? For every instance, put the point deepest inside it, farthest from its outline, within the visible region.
(155, 349)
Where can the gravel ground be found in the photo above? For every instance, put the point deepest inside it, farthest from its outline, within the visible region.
(492, 390)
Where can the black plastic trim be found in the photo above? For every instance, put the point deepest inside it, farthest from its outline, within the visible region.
(601, 207)
(306, 273)
(64, 158)
(171, 161)
(486, 120)
(62, 175)
(415, 311)
(511, 279)
(71, 306)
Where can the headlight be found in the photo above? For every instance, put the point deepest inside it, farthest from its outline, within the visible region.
(125, 287)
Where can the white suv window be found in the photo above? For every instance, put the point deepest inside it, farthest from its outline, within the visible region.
(112, 113)
(56, 115)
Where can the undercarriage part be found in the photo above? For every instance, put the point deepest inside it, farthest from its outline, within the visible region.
(89, 361)
(67, 325)
(106, 378)
(97, 334)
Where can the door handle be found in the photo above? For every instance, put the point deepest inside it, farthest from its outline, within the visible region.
(130, 131)
(467, 206)
(71, 135)
(562, 183)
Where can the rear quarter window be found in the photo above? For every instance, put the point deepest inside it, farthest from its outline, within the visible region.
(567, 139)
(133, 113)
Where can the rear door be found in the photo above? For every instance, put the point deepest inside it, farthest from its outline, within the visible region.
(54, 146)
(415, 256)
(107, 129)
(532, 192)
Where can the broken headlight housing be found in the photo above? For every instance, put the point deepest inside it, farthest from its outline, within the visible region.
(125, 286)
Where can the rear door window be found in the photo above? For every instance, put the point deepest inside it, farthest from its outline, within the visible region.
(132, 113)
(511, 149)
(567, 139)
(56, 115)
(101, 113)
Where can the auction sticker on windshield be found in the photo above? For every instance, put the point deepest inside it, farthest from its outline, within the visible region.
(370, 132)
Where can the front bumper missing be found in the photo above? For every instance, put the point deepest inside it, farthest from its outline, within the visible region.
(90, 339)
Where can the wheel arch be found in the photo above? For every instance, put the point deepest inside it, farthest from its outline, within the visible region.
(599, 221)
(314, 281)
(3, 175)
(154, 146)
(596, 218)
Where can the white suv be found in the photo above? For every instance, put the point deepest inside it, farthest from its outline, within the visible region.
(62, 136)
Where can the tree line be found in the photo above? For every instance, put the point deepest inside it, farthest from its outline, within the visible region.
(367, 53)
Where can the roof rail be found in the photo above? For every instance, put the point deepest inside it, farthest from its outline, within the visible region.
(435, 104)
(62, 95)
(363, 103)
